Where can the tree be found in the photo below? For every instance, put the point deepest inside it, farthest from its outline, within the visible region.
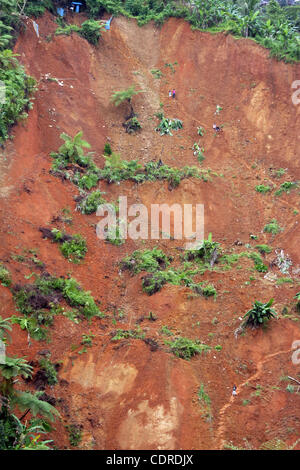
(209, 12)
(249, 10)
(13, 434)
(91, 31)
(119, 97)
(248, 7)
(11, 368)
(72, 149)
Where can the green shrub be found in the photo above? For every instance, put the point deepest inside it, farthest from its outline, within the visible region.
(204, 252)
(72, 151)
(50, 370)
(258, 262)
(263, 249)
(5, 278)
(286, 187)
(67, 29)
(116, 169)
(75, 434)
(77, 297)
(73, 247)
(186, 348)
(132, 125)
(272, 227)
(125, 334)
(96, 8)
(87, 181)
(114, 235)
(261, 267)
(87, 340)
(82, 171)
(91, 31)
(122, 96)
(278, 173)
(209, 291)
(156, 73)
(165, 331)
(259, 314)
(202, 396)
(147, 260)
(39, 303)
(172, 66)
(166, 125)
(205, 403)
(107, 149)
(36, 325)
(90, 202)
(198, 151)
(153, 283)
(74, 250)
(18, 90)
(284, 280)
(261, 188)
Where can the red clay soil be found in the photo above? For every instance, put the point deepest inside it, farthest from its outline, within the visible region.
(124, 395)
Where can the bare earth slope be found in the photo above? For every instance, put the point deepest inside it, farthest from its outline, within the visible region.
(124, 395)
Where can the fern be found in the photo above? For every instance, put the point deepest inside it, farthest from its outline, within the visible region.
(28, 401)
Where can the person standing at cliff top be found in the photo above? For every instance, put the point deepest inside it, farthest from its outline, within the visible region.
(173, 93)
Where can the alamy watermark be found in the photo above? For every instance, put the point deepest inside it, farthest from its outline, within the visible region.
(2, 352)
(296, 353)
(296, 94)
(2, 92)
(162, 221)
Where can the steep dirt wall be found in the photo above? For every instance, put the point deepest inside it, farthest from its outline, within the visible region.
(124, 395)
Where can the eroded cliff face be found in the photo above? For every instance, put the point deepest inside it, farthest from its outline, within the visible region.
(125, 395)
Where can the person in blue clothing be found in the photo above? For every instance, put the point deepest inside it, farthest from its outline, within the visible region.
(216, 128)
(173, 93)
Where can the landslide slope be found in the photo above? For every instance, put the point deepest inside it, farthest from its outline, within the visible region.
(123, 394)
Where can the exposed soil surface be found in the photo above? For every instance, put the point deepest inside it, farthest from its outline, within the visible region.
(130, 394)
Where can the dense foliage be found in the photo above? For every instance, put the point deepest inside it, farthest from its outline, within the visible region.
(16, 86)
(186, 348)
(274, 26)
(89, 30)
(41, 301)
(14, 435)
(71, 163)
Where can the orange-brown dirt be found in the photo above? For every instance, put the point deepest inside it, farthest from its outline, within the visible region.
(124, 395)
